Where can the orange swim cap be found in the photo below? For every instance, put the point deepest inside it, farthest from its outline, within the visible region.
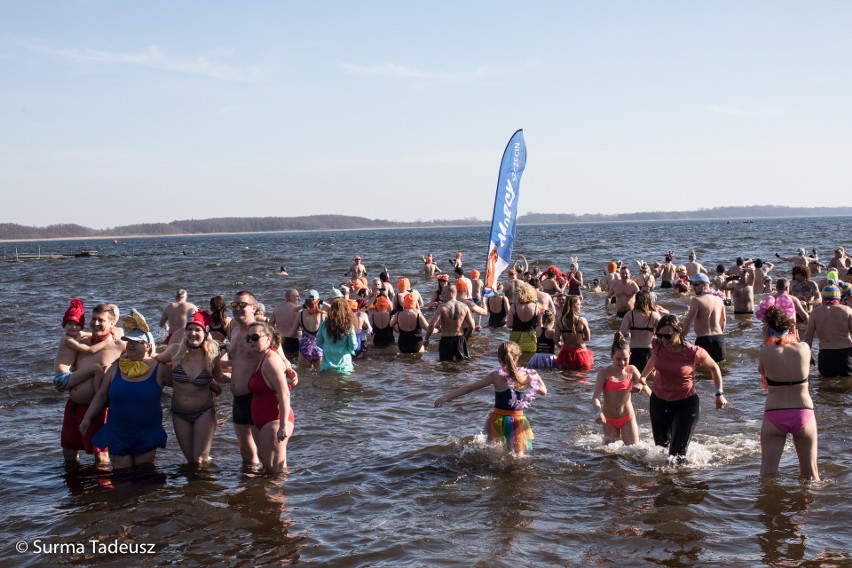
(409, 302)
(461, 285)
(403, 285)
(611, 267)
(354, 305)
(382, 304)
(474, 273)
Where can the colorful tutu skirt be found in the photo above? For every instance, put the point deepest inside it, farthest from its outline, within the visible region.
(576, 359)
(511, 429)
(526, 340)
(542, 361)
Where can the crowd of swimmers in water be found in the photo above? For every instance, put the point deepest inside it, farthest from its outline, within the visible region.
(115, 377)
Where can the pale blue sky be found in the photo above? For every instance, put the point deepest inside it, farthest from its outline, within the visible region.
(121, 112)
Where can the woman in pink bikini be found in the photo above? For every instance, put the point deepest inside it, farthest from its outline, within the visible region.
(616, 382)
(784, 363)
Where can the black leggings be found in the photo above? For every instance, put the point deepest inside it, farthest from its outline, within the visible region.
(673, 423)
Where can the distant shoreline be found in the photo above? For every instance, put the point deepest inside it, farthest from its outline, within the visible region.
(391, 228)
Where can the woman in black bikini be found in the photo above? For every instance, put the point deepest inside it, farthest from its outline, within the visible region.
(640, 323)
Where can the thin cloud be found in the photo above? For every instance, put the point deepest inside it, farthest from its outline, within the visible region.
(732, 110)
(397, 71)
(152, 57)
(386, 70)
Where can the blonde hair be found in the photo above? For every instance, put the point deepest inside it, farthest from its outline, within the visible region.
(508, 354)
(526, 293)
(209, 345)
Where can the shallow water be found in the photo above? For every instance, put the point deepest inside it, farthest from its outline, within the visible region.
(377, 475)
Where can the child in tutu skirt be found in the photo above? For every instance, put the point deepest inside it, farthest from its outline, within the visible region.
(546, 338)
(514, 390)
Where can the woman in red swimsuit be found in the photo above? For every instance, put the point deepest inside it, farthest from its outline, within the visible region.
(270, 402)
(616, 382)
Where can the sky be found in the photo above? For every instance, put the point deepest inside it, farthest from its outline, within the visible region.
(113, 113)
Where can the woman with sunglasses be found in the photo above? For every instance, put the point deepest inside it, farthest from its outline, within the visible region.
(132, 391)
(270, 402)
(674, 406)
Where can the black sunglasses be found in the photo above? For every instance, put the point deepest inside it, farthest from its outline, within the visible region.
(665, 335)
(252, 337)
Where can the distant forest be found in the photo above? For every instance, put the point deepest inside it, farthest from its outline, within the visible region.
(12, 231)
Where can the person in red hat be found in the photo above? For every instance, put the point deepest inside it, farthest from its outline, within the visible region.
(81, 376)
(192, 377)
(83, 383)
(70, 345)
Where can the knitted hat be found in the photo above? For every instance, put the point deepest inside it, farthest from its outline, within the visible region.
(830, 293)
(202, 319)
(76, 313)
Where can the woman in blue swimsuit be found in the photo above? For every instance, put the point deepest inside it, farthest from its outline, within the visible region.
(133, 390)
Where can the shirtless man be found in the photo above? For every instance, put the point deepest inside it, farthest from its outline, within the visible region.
(738, 266)
(510, 287)
(762, 268)
(840, 259)
(694, 267)
(707, 312)
(667, 271)
(430, 269)
(624, 291)
(175, 317)
(720, 282)
(831, 322)
(241, 363)
(82, 390)
(283, 317)
(801, 258)
(742, 287)
(357, 270)
(456, 324)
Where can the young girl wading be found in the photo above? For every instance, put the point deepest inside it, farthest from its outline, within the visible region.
(514, 390)
(615, 382)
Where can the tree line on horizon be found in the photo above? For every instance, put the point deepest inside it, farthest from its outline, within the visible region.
(12, 231)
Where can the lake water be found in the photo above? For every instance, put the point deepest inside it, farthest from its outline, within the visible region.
(377, 475)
